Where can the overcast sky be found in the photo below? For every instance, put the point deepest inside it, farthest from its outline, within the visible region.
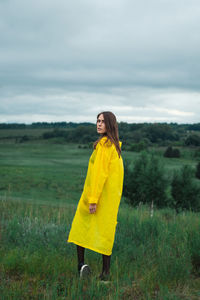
(63, 60)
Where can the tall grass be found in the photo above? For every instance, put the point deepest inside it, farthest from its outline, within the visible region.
(152, 256)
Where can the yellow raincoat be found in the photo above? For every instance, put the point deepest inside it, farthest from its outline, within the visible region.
(103, 186)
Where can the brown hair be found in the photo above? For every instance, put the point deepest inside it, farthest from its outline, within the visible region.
(111, 130)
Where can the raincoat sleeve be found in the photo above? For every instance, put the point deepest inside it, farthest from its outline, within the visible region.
(99, 173)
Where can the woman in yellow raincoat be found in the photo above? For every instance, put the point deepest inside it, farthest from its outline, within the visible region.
(95, 221)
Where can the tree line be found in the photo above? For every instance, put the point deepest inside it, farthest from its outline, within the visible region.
(138, 136)
(135, 136)
(42, 125)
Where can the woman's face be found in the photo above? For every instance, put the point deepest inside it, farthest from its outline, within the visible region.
(101, 127)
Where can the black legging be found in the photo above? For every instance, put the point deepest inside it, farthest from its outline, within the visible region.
(105, 259)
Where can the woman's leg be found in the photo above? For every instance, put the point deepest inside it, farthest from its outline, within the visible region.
(106, 264)
(80, 256)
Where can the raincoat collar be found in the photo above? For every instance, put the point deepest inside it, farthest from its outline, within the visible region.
(104, 139)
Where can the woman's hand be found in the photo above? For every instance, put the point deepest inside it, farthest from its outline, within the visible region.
(92, 208)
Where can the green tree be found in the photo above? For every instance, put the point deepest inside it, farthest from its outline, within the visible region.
(184, 190)
(160, 132)
(168, 152)
(172, 153)
(176, 153)
(137, 147)
(193, 140)
(146, 182)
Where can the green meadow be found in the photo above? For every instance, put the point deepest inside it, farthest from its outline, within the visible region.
(40, 185)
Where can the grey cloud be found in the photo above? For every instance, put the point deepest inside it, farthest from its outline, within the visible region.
(134, 105)
(82, 53)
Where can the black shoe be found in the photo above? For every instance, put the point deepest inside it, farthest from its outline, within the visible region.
(84, 271)
(104, 277)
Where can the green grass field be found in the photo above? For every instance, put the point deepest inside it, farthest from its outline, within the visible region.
(153, 257)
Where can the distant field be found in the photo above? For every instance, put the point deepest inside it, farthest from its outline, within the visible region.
(10, 133)
(50, 172)
(43, 172)
(15, 135)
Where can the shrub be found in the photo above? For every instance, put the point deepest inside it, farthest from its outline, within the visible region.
(197, 153)
(146, 181)
(55, 133)
(172, 153)
(198, 171)
(193, 140)
(176, 153)
(23, 139)
(168, 152)
(185, 192)
(137, 147)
